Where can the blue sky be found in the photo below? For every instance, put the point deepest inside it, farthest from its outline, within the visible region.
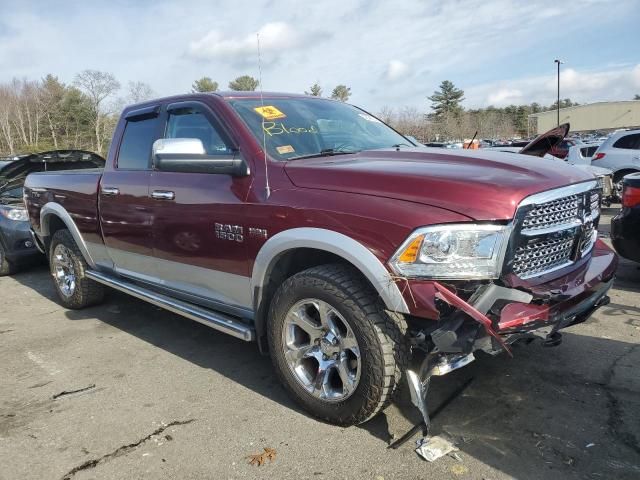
(390, 53)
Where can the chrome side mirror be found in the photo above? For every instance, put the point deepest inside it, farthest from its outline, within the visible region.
(187, 155)
(174, 146)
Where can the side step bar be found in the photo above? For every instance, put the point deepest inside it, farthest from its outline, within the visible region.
(218, 321)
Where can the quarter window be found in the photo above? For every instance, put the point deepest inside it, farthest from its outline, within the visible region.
(135, 149)
(190, 123)
(629, 142)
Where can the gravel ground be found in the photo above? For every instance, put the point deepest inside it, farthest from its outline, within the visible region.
(169, 398)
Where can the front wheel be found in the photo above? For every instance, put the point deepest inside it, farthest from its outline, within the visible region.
(68, 268)
(336, 349)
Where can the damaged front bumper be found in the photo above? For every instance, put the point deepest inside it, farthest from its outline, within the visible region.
(494, 315)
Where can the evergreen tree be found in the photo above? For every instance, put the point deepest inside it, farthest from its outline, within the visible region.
(447, 99)
(204, 84)
(315, 90)
(244, 83)
(341, 92)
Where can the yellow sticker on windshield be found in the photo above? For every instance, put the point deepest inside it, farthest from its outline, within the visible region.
(270, 112)
(285, 149)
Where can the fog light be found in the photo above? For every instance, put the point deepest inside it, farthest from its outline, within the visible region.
(28, 243)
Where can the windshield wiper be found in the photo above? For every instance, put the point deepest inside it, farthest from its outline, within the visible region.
(326, 152)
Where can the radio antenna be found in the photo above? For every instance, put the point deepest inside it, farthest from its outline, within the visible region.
(264, 134)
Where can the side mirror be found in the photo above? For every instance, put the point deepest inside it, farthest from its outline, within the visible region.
(187, 155)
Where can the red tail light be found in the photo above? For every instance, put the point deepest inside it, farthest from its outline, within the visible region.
(598, 156)
(630, 196)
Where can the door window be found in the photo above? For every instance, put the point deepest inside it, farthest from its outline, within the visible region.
(190, 123)
(135, 149)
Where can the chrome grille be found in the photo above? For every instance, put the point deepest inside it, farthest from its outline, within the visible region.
(554, 229)
(542, 255)
(594, 204)
(563, 211)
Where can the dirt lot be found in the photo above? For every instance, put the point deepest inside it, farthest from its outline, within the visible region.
(170, 398)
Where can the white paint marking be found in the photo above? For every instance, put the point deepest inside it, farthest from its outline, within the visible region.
(48, 367)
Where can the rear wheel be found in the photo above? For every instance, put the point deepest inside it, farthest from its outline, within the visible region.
(68, 268)
(6, 267)
(336, 349)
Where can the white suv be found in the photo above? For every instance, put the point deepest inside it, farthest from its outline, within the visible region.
(620, 153)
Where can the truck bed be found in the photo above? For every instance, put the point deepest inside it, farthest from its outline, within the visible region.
(75, 190)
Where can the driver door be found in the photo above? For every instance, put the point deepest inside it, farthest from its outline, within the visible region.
(192, 258)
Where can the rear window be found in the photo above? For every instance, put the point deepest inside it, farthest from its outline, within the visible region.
(135, 149)
(629, 142)
(589, 151)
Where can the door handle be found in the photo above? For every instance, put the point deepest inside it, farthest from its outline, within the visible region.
(110, 191)
(163, 195)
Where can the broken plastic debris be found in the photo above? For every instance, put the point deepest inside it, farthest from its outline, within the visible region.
(433, 448)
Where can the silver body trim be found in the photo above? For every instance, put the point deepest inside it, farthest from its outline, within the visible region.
(545, 231)
(226, 288)
(333, 242)
(549, 196)
(93, 253)
(215, 320)
(557, 193)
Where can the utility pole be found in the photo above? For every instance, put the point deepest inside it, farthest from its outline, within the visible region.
(558, 104)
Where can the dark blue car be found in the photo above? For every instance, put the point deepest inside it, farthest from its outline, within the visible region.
(17, 248)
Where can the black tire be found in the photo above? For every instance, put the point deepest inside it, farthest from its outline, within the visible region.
(6, 267)
(86, 291)
(381, 336)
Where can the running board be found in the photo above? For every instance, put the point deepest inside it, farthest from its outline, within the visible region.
(218, 321)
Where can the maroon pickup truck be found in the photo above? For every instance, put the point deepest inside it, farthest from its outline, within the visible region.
(350, 254)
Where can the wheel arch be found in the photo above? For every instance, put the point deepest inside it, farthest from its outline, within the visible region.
(54, 217)
(316, 246)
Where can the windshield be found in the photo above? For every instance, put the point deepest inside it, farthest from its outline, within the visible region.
(300, 127)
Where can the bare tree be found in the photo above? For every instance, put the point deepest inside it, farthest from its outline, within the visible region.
(387, 115)
(139, 92)
(98, 86)
(5, 118)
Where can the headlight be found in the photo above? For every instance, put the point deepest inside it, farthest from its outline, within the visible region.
(16, 214)
(457, 251)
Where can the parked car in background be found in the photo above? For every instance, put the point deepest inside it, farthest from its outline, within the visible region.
(17, 247)
(625, 226)
(545, 143)
(443, 145)
(581, 154)
(310, 226)
(561, 150)
(620, 153)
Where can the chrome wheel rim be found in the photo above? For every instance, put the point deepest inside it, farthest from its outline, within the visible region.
(321, 350)
(63, 270)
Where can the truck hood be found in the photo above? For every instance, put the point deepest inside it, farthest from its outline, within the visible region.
(480, 185)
